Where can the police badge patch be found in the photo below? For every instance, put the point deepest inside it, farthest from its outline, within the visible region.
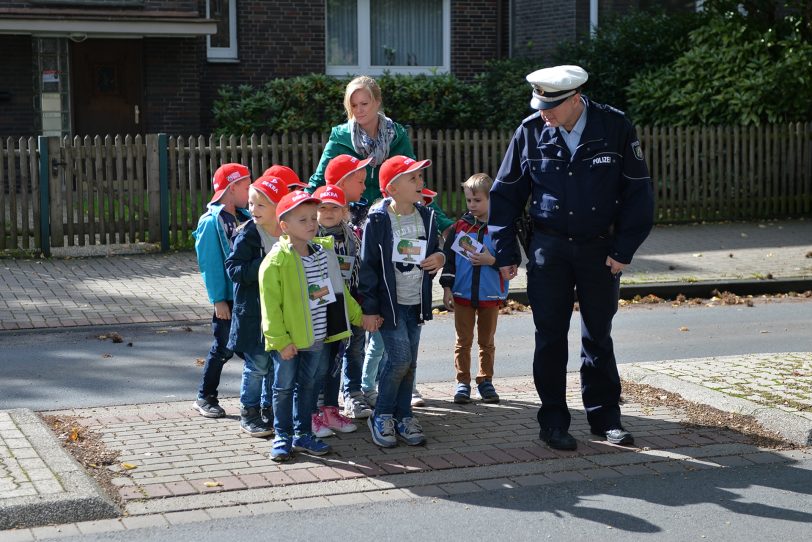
(637, 150)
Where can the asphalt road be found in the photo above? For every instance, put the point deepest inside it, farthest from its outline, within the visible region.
(47, 370)
(767, 502)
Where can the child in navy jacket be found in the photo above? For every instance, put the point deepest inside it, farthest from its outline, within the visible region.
(253, 242)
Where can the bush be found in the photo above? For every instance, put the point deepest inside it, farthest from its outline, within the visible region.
(733, 73)
(507, 92)
(625, 47)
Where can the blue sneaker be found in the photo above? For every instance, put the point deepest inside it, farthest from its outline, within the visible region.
(410, 431)
(463, 394)
(487, 392)
(308, 443)
(280, 450)
(383, 430)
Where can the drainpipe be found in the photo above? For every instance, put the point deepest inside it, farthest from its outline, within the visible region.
(593, 17)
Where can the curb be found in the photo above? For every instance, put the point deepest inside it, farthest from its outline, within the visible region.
(670, 290)
(82, 499)
(795, 429)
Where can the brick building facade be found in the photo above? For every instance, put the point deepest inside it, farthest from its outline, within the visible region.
(142, 66)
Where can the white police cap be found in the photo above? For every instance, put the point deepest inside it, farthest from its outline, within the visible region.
(551, 86)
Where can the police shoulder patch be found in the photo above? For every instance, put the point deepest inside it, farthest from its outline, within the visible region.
(637, 150)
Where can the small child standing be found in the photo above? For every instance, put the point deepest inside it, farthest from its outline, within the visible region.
(332, 213)
(254, 240)
(348, 174)
(400, 251)
(474, 290)
(305, 306)
(213, 238)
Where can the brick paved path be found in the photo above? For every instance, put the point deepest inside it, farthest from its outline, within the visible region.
(470, 448)
(167, 287)
(23, 473)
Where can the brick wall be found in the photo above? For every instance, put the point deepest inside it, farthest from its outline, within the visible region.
(172, 85)
(276, 38)
(16, 87)
(479, 29)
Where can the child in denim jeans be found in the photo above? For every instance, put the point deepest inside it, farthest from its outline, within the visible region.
(348, 174)
(400, 251)
(213, 238)
(305, 306)
(254, 240)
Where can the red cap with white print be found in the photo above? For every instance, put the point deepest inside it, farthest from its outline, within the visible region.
(272, 188)
(331, 194)
(396, 166)
(342, 165)
(292, 200)
(225, 176)
(287, 175)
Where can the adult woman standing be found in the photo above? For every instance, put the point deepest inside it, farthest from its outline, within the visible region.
(368, 132)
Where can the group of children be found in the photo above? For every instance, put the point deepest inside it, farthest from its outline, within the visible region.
(320, 302)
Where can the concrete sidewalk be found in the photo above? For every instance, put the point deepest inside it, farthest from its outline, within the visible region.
(139, 288)
(184, 468)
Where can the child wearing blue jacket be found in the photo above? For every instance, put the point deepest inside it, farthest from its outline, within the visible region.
(474, 290)
(400, 251)
(254, 240)
(213, 236)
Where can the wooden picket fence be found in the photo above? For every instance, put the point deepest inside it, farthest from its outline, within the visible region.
(108, 190)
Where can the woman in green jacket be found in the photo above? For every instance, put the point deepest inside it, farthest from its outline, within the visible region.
(368, 132)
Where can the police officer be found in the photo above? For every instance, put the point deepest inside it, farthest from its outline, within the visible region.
(591, 206)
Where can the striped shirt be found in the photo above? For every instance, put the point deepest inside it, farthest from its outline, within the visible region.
(315, 267)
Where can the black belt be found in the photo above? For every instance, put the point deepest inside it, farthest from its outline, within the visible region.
(554, 233)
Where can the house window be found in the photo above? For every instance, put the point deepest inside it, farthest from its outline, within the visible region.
(373, 36)
(222, 46)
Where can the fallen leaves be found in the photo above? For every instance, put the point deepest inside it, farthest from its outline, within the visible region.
(200, 362)
(113, 336)
(213, 484)
(683, 328)
(128, 466)
(513, 306)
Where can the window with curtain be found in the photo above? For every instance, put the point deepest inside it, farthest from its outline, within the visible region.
(371, 36)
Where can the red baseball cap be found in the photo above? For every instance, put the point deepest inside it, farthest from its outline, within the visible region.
(342, 165)
(428, 195)
(225, 176)
(287, 175)
(291, 200)
(397, 166)
(272, 188)
(331, 194)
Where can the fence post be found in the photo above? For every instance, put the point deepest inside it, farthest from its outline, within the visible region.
(158, 189)
(44, 196)
(163, 167)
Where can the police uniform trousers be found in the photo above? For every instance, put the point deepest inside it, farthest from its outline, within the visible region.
(559, 267)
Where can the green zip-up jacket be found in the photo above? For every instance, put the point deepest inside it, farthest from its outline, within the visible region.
(284, 300)
(340, 142)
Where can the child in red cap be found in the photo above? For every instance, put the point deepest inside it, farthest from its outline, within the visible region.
(400, 252)
(305, 307)
(213, 242)
(332, 216)
(254, 240)
(287, 175)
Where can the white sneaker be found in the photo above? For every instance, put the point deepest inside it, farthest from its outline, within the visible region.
(371, 397)
(417, 399)
(319, 426)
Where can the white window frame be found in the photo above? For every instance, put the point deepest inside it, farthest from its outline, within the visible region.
(365, 52)
(224, 54)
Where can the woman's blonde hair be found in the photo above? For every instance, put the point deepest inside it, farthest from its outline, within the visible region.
(363, 82)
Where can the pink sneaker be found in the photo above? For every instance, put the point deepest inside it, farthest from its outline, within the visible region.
(319, 426)
(336, 421)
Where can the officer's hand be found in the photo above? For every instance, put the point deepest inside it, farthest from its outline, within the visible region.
(222, 311)
(508, 271)
(448, 299)
(614, 266)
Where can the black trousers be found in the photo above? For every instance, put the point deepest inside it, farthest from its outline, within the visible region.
(557, 269)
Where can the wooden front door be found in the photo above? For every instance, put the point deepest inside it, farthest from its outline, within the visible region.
(107, 87)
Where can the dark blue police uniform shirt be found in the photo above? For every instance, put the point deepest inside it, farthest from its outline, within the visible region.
(605, 186)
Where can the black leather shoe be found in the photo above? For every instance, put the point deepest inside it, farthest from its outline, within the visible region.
(617, 435)
(558, 438)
